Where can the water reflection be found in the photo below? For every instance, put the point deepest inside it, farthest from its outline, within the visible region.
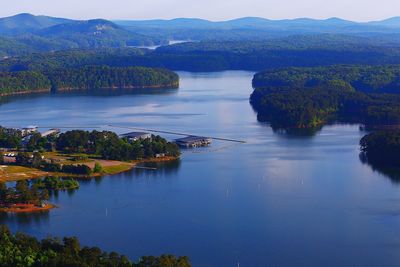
(35, 218)
(118, 92)
(390, 172)
(159, 168)
(93, 92)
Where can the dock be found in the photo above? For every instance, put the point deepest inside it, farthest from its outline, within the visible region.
(193, 141)
(178, 133)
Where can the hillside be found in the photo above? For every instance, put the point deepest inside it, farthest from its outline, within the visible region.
(27, 23)
(311, 97)
(85, 78)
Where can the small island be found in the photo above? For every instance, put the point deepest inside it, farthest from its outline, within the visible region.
(311, 97)
(23, 198)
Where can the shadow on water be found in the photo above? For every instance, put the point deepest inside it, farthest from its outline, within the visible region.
(118, 92)
(25, 218)
(297, 132)
(152, 169)
(158, 168)
(93, 92)
(393, 173)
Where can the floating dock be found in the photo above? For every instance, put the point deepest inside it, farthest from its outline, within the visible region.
(193, 141)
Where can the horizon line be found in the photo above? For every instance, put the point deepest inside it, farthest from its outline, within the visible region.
(204, 19)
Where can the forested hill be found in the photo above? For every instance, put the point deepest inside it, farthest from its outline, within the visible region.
(380, 79)
(311, 97)
(89, 77)
(300, 51)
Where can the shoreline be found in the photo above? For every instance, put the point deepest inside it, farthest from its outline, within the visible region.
(30, 173)
(73, 89)
(26, 208)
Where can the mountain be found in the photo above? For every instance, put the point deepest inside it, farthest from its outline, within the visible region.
(251, 28)
(25, 33)
(94, 33)
(24, 23)
(391, 22)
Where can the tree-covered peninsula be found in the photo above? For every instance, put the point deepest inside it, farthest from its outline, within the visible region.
(80, 153)
(382, 147)
(85, 78)
(381, 151)
(24, 250)
(311, 97)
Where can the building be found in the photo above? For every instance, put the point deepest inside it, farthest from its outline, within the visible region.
(134, 136)
(193, 141)
(50, 132)
(29, 130)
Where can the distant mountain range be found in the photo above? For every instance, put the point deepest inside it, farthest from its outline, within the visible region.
(312, 25)
(27, 33)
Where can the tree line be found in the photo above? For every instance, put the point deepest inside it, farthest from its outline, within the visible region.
(85, 78)
(311, 97)
(23, 250)
(81, 144)
(255, 55)
(110, 146)
(23, 193)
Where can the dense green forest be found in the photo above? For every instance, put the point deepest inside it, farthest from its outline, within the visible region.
(24, 250)
(311, 97)
(381, 151)
(110, 146)
(382, 147)
(301, 51)
(89, 77)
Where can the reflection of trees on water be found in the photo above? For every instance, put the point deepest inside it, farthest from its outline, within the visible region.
(297, 132)
(152, 169)
(159, 168)
(25, 218)
(155, 170)
(393, 173)
(94, 92)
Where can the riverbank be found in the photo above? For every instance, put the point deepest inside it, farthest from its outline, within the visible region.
(12, 173)
(26, 208)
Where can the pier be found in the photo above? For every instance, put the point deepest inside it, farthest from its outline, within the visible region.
(178, 133)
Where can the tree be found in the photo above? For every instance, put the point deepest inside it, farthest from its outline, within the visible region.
(97, 167)
(22, 159)
(3, 191)
(44, 195)
(22, 190)
(36, 160)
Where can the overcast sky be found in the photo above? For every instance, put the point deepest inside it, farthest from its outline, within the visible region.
(358, 10)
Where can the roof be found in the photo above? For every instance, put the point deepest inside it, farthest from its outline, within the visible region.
(192, 138)
(135, 134)
(50, 132)
(30, 127)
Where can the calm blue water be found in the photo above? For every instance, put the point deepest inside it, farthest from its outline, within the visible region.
(277, 200)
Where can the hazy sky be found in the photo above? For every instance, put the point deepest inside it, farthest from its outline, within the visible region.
(359, 10)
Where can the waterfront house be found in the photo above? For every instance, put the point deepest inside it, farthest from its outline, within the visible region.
(29, 130)
(50, 132)
(134, 136)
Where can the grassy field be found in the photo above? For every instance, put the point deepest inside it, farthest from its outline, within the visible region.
(15, 173)
(10, 173)
(114, 169)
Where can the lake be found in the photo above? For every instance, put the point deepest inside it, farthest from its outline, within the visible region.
(278, 200)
